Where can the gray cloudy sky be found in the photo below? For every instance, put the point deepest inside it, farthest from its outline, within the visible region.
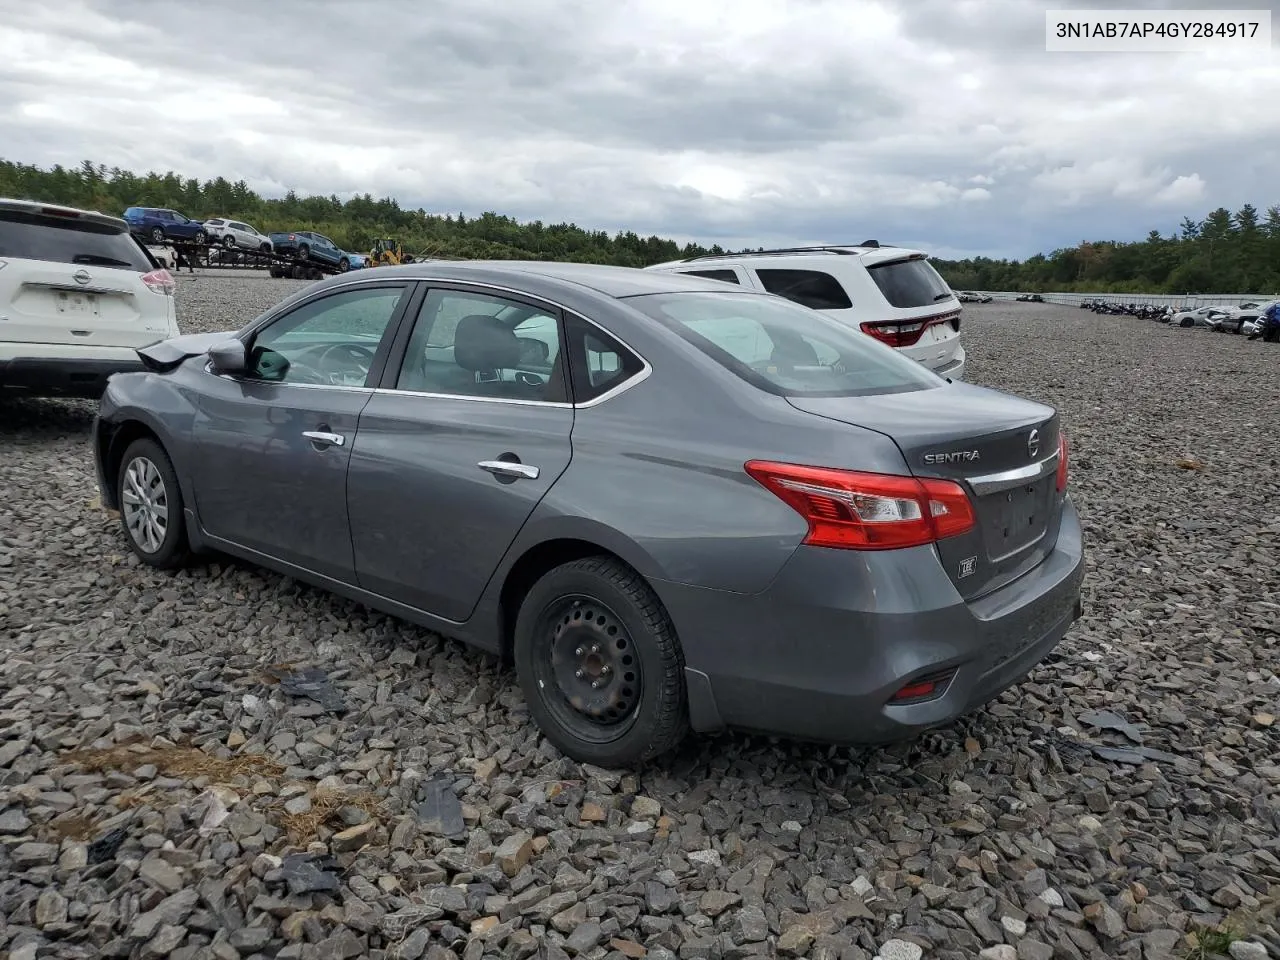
(939, 123)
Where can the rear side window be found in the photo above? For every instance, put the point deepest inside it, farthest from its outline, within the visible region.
(783, 348)
(910, 283)
(33, 236)
(812, 288)
(728, 276)
(600, 363)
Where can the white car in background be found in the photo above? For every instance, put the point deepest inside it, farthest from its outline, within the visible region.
(237, 234)
(78, 295)
(890, 293)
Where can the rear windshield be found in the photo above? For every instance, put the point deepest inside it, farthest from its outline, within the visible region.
(910, 283)
(784, 348)
(32, 236)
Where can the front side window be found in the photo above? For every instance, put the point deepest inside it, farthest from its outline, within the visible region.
(811, 288)
(783, 348)
(329, 341)
(476, 345)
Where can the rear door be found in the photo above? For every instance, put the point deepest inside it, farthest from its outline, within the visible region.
(470, 430)
(69, 280)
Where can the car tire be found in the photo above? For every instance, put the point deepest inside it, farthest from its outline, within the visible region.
(201, 238)
(1187, 322)
(157, 235)
(265, 248)
(229, 242)
(303, 252)
(344, 265)
(596, 621)
(159, 542)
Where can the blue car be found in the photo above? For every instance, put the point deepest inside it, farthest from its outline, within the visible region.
(158, 225)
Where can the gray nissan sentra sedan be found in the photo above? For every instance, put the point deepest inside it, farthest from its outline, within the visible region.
(672, 502)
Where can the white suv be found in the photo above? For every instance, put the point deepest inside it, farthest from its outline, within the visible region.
(890, 293)
(234, 233)
(78, 296)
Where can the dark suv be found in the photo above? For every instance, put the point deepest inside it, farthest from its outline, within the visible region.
(157, 224)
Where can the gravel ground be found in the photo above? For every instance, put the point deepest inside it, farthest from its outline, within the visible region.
(209, 813)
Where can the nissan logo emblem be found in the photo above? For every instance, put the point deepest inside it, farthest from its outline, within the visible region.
(1033, 443)
(80, 276)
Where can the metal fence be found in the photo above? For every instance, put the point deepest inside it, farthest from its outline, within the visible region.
(1181, 302)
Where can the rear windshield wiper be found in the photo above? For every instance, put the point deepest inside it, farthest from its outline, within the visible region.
(942, 296)
(99, 261)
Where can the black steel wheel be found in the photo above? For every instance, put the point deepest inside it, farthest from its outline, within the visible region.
(600, 664)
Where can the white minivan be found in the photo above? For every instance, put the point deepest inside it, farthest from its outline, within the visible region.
(78, 296)
(891, 293)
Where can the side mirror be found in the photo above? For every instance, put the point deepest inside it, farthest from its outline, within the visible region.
(229, 357)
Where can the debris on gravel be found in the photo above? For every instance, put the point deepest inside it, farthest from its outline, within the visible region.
(167, 790)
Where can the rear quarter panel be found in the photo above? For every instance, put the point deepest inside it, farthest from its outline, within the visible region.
(657, 473)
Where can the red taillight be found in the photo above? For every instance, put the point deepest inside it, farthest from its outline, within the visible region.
(160, 281)
(1062, 461)
(906, 333)
(867, 511)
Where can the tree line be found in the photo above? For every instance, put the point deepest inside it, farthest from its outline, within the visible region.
(1223, 253)
(352, 224)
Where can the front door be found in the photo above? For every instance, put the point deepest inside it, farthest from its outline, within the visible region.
(452, 457)
(272, 447)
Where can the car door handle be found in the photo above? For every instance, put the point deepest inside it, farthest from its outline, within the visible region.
(319, 436)
(507, 468)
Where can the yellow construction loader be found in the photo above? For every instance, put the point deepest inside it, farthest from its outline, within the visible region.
(388, 252)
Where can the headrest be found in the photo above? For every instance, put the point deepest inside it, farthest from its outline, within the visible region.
(482, 343)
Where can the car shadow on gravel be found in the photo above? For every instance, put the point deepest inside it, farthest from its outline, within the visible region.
(36, 420)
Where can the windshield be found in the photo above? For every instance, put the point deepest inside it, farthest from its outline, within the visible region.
(784, 348)
(33, 236)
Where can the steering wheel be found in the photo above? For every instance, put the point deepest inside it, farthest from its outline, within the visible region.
(361, 357)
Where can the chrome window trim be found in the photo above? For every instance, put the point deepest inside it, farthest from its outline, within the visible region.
(208, 368)
(646, 368)
(1005, 479)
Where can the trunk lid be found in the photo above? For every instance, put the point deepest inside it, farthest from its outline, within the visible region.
(982, 439)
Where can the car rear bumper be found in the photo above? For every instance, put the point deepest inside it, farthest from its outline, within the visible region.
(63, 375)
(820, 654)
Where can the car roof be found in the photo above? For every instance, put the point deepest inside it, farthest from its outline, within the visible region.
(59, 210)
(616, 282)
